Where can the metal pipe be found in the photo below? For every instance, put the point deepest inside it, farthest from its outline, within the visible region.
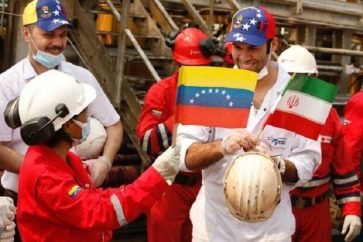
(211, 15)
(335, 51)
(121, 51)
(330, 68)
(142, 54)
(2, 16)
(166, 15)
(114, 10)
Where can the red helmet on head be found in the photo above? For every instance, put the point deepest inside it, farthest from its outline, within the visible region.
(186, 47)
(228, 56)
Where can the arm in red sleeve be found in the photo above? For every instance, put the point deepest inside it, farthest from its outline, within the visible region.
(157, 117)
(345, 180)
(353, 128)
(59, 196)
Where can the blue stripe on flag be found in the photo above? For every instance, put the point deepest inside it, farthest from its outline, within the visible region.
(214, 97)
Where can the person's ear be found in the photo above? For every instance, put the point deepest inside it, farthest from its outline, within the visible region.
(274, 44)
(67, 126)
(26, 34)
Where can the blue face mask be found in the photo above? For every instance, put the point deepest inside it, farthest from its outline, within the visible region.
(48, 60)
(86, 130)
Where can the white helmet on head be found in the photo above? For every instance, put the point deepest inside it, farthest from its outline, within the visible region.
(297, 59)
(252, 187)
(92, 147)
(48, 101)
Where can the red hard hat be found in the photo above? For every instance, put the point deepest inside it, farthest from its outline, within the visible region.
(187, 49)
(228, 56)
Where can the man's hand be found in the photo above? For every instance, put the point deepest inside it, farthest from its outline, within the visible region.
(239, 139)
(264, 147)
(7, 211)
(351, 226)
(98, 168)
(167, 164)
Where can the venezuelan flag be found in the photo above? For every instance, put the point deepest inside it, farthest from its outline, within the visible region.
(214, 96)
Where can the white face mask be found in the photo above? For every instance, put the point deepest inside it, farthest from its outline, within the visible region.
(86, 130)
(262, 73)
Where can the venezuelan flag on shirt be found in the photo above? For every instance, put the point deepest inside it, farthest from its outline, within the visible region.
(304, 106)
(214, 96)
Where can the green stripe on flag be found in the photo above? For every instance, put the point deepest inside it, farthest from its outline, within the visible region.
(313, 86)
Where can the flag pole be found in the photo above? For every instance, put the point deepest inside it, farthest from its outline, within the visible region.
(175, 131)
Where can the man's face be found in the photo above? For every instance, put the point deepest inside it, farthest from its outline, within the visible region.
(53, 42)
(249, 57)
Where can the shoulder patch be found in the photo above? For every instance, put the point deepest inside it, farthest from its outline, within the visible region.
(156, 113)
(74, 191)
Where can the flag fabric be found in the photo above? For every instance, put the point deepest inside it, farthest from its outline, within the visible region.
(304, 106)
(214, 96)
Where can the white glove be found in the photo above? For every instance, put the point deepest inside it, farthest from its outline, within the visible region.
(7, 211)
(239, 139)
(351, 226)
(98, 168)
(7, 233)
(264, 147)
(167, 164)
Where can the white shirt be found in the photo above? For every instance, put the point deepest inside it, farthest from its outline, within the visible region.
(13, 81)
(210, 216)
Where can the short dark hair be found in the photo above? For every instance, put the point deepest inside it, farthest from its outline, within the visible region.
(269, 46)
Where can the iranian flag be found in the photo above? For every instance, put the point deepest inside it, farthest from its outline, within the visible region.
(304, 106)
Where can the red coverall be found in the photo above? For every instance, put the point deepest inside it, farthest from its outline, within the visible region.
(168, 220)
(353, 127)
(58, 201)
(313, 220)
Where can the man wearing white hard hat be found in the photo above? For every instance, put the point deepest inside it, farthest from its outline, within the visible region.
(310, 203)
(213, 149)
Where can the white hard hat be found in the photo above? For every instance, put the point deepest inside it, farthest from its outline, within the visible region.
(297, 59)
(41, 96)
(252, 187)
(93, 145)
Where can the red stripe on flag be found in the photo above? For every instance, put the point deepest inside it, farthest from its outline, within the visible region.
(295, 123)
(212, 116)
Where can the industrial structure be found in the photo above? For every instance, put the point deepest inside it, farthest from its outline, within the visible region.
(122, 42)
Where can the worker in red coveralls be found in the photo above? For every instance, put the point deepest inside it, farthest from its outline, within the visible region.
(168, 220)
(57, 199)
(310, 203)
(227, 57)
(353, 127)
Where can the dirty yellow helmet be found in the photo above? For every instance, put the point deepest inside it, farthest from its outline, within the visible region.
(252, 187)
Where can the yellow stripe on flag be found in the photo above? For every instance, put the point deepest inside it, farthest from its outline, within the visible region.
(208, 76)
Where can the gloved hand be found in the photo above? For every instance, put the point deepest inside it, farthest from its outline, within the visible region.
(98, 168)
(167, 164)
(264, 147)
(351, 226)
(239, 139)
(7, 211)
(7, 233)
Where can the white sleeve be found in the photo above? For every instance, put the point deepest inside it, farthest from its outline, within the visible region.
(306, 156)
(303, 152)
(6, 133)
(186, 136)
